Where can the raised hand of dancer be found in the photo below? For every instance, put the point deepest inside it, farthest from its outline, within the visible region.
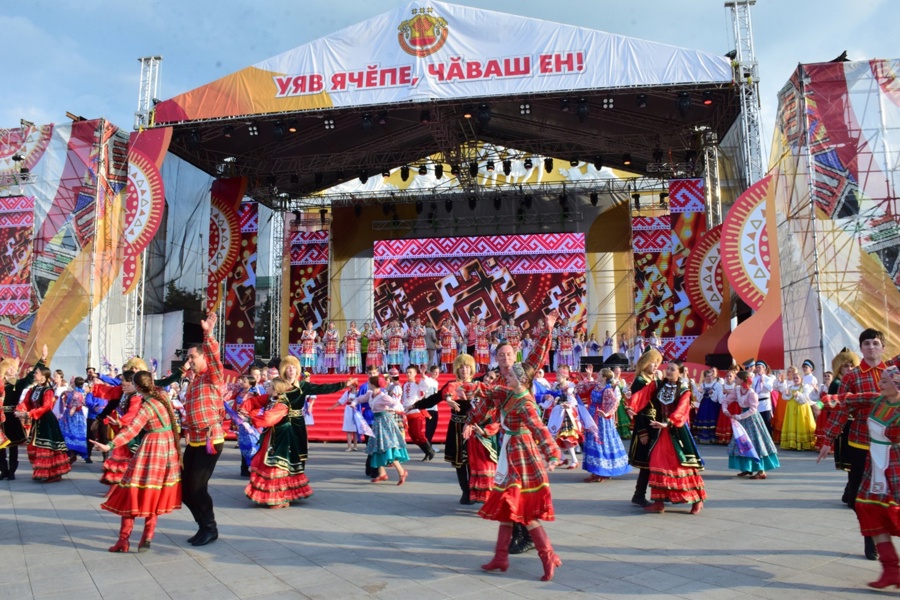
(209, 324)
(824, 451)
(552, 318)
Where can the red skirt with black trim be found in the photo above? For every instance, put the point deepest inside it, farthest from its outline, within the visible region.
(151, 483)
(669, 480)
(272, 486)
(46, 463)
(876, 519)
(115, 465)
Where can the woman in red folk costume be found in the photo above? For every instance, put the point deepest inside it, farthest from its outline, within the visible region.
(12, 428)
(674, 462)
(482, 346)
(151, 485)
(126, 410)
(47, 449)
(308, 347)
(331, 339)
(375, 354)
(394, 335)
(351, 348)
(447, 335)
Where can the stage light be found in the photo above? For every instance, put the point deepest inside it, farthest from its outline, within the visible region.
(454, 170)
(473, 202)
(657, 155)
(423, 170)
(468, 111)
(367, 124)
(438, 171)
(707, 98)
(732, 54)
(386, 173)
(608, 103)
(448, 205)
(490, 166)
(683, 103)
(420, 206)
(527, 200)
(642, 100)
(404, 173)
(329, 123)
(507, 167)
(252, 129)
(564, 105)
(497, 202)
(295, 178)
(662, 199)
(598, 162)
(17, 158)
(425, 117)
(525, 108)
(574, 163)
(528, 163)
(194, 138)
(637, 201)
(582, 110)
(292, 127)
(484, 115)
(594, 198)
(278, 130)
(626, 160)
(548, 165)
(363, 177)
(228, 130)
(473, 169)
(298, 216)
(357, 209)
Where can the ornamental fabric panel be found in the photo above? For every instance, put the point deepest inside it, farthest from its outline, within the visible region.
(240, 293)
(308, 297)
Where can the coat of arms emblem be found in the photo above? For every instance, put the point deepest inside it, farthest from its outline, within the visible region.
(423, 34)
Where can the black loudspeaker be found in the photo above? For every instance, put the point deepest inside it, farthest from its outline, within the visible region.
(177, 364)
(595, 361)
(722, 362)
(616, 359)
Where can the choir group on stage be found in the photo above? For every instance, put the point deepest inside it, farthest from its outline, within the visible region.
(508, 426)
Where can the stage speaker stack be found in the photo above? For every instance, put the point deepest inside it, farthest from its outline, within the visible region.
(722, 362)
(594, 361)
(617, 359)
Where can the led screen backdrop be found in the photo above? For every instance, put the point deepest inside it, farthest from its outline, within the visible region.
(493, 277)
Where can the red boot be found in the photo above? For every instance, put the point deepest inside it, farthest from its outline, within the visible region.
(890, 565)
(147, 537)
(501, 551)
(548, 557)
(124, 533)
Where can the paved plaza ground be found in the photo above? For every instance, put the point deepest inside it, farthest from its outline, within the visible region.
(786, 537)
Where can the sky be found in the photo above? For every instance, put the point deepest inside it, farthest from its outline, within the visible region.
(81, 57)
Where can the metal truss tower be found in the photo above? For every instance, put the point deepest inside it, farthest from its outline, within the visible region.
(275, 283)
(149, 90)
(746, 77)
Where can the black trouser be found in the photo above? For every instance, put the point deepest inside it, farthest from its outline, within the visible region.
(462, 476)
(363, 356)
(431, 424)
(767, 419)
(13, 463)
(550, 364)
(100, 435)
(857, 459)
(198, 468)
(470, 350)
(640, 488)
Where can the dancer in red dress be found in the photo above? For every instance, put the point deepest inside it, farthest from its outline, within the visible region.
(47, 449)
(674, 474)
(375, 354)
(482, 346)
(12, 428)
(129, 404)
(151, 486)
(448, 337)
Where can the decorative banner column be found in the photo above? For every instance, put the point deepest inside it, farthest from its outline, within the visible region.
(687, 220)
(224, 235)
(16, 229)
(307, 285)
(651, 240)
(240, 295)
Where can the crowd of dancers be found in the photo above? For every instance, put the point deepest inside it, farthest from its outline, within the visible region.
(508, 428)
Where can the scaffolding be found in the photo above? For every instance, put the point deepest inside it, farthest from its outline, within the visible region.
(746, 77)
(148, 93)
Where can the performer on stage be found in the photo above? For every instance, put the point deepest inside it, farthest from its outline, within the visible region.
(351, 348)
(151, 485)
(513, 336)
(604, 453)
(607, 346)
(418, 353)
(877, 502)
(482, 347)
(766, 455)
(566, 355)
(46, 446)
(375, 355)
(639, 451)
(623, 345)
(674, 463)
(447, 334)
(12, 427)
(331, 339)
(308, 347)
(470, 334)
(394, 335)
(521, 493)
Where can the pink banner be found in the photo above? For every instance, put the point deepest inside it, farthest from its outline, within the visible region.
(240, 304)
(308, 285)
(16, 230)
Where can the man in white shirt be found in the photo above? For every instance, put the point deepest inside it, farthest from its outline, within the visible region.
(763, 384)
(429, 386)
(415, 418)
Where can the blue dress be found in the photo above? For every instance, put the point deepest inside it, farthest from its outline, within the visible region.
(605, 455)
(387, 443)
(759, 437)
(74, 426)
